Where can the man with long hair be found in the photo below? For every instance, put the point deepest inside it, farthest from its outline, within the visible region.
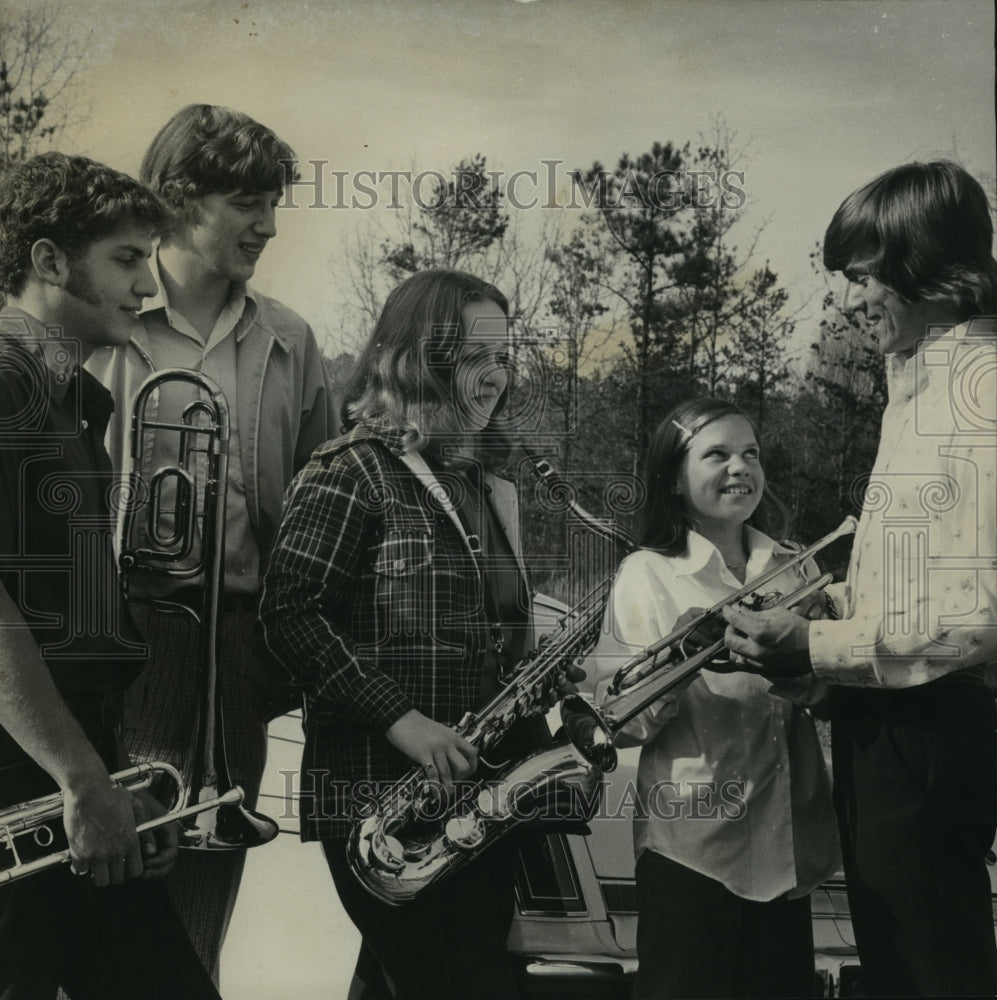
(221, 175)
(914, 748)
(75, 238)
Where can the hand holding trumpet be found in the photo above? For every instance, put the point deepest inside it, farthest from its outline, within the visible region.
(100, 820)
(774, 641)
(101, 831)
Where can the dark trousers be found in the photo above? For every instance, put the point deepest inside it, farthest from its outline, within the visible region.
(448, 945)
(695, 938)
(916, 792)
(121, 942)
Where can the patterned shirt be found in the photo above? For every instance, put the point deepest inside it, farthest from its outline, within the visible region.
(921, 595)
(372, 602)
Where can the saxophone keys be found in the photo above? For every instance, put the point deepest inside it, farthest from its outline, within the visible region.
(418, 851)
(465, 832)
(387, 853)
(493, 801)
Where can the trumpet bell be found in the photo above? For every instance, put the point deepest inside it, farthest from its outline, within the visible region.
(587, 730)
(228, 826)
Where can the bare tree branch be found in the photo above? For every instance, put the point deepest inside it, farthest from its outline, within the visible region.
(41, 59)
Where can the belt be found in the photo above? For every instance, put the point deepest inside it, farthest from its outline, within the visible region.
(193, 597)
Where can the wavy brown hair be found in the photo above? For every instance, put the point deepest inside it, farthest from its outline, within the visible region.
(923, 230)
(208, 149)
(70, 200)
(404, 379)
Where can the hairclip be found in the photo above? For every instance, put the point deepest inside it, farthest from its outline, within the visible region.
(686, 433)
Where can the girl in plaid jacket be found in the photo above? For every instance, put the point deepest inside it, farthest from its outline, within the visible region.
(395, 596)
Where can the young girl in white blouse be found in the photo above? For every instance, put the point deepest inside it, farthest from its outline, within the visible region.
(735, 825)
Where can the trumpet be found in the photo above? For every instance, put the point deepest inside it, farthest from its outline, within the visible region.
(38, 819)
(655, 671)
(193, 546)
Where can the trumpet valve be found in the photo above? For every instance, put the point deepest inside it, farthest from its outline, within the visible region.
(761, 602)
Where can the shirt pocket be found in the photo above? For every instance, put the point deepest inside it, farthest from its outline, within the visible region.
(403, 552)
(402, 565)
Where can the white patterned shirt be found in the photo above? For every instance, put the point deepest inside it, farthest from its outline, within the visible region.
(921, 595)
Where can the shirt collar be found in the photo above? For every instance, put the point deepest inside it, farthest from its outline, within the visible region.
(242, 302)
(392, 438)
(907, 377)
(699, 551)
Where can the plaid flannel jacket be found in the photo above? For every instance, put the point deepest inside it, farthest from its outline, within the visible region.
(372, 603)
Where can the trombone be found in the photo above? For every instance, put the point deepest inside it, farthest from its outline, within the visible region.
(193, 546)
(37, 819)
(646, 677)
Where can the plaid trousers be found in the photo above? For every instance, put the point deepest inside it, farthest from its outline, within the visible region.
(159, 721)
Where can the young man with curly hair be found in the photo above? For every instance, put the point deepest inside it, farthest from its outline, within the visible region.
(75, 239)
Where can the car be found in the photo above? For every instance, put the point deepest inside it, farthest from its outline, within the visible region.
(575, 927)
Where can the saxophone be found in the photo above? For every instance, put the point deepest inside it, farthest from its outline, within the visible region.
(415, 836)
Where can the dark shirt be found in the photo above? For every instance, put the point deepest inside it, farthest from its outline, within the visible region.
(504, 590)
(56, 486)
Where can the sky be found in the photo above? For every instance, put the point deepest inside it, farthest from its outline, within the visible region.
(821, 94)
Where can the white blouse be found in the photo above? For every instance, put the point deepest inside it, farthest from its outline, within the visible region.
(731, 781)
